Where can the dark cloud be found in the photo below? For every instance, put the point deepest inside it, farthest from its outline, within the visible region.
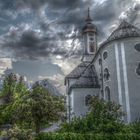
(32, 45)
(52, 23)
(19, 4)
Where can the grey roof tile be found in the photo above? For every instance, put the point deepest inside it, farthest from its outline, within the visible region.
(124, 30)
(88, 79)
(78, 70)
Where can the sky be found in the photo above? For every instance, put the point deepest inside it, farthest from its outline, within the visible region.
(42, 38)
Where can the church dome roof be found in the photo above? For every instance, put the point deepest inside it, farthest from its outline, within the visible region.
(88, 79)
(89, 27)
(124, 30)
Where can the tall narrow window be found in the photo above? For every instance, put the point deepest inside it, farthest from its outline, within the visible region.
(105, 55)
(87, 100)
(138, 69)
(91, 47)
(107, 93)
(106, 74)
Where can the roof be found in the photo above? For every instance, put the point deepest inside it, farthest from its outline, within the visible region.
(76, 73)
(89, 27)
(124, 30)
(88, 79)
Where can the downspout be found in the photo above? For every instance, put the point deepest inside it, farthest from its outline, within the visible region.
(102, 89)
(69, 107)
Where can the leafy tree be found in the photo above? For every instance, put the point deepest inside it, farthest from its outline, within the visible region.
(12, 89)
(37, 107)
(9, 86)
(103, 117)
(106, 116)
(16, 133)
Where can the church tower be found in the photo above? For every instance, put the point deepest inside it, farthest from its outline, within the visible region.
(89, 33)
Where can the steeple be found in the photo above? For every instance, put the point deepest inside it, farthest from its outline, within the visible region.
(89, 39)
(88, 19)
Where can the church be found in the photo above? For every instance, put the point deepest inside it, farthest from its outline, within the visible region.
(110, 70)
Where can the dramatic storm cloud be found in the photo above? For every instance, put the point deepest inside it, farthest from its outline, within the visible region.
(39, 36)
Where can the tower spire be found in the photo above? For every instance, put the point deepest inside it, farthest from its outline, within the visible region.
(88, 19)
(89, 39)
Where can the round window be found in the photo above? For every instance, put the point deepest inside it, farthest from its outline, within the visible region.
(137, 47)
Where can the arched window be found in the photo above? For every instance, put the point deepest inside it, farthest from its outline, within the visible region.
(106, 74)
(138, 69)
(107, 94)
(87, 100)
(137, 47)
(105, 55)
(91, 47)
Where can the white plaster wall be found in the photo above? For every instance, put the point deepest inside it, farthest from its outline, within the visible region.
(124, 83)
(78, 100)
(99, 73)
(132, 58)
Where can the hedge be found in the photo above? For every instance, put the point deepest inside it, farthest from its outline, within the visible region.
(77, 136)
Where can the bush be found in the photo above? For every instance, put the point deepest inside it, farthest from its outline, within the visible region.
(103, 117)
(16, 133)
(88, 136)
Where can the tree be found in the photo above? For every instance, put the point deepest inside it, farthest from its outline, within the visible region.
(13, 88)
(37, 107)
(9, 87)
(103, 117)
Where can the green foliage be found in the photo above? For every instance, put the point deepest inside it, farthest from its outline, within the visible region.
(8, 88)
(17, 133)
(88, 136)
(102, 117)
(134, 127)
(12, 89)
(37, 107)
(29, 109)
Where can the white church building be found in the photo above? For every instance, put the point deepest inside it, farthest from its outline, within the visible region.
(111, 71)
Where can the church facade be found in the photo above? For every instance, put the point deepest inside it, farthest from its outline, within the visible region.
(110, 71)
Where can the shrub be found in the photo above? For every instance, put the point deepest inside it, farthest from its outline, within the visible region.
(88, 136)
(102, 117)
(16, 133)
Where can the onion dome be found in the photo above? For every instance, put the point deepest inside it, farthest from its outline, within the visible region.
(89, 27)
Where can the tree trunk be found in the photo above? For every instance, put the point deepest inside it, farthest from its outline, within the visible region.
(37, 125)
